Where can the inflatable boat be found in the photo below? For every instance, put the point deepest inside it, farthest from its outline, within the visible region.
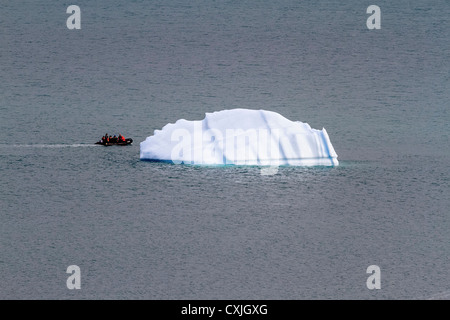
(115, 142)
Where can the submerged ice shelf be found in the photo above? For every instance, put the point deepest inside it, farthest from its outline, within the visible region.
(240, 137)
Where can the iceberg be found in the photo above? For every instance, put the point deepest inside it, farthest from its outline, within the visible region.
(240, 137)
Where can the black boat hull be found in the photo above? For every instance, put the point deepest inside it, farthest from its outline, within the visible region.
(119, 143)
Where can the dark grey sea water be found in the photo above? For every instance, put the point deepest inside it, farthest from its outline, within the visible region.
(141, 230)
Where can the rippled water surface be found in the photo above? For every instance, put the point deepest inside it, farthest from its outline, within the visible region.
(142, 230)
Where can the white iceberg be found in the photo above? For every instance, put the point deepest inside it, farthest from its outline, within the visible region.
(240, 137)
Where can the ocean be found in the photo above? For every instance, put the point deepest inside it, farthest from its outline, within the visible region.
(144, 230)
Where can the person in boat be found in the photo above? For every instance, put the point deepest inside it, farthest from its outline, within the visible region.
(121, 138)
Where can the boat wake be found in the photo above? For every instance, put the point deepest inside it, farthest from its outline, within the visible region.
(76, 145)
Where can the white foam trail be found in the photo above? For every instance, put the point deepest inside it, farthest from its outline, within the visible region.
(77, 145)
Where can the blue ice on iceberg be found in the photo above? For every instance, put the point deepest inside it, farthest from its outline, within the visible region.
(240, 137)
